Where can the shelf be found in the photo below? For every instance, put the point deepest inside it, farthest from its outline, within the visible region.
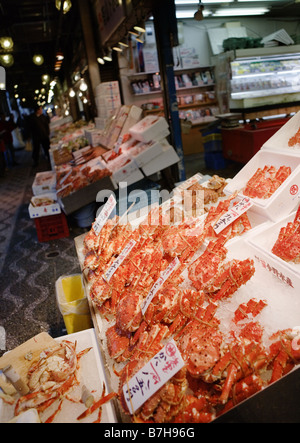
(264, 93)
(190, 106)
(176, 71)
(178, 90)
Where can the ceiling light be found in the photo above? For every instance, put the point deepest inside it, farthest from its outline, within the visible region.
(7, 60)
(108, 56)
(45, 78)
(125, 45)
(38, 59)
(83, 87)
(7, 43)
(60, 56)
(139, 29)
(117, 49)
(100, 61)
(72, 93)
(191, 13)
(66, 6)
(199, 14)
(135, 34)
(230, 12)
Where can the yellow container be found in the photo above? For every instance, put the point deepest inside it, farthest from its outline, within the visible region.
(73, 303)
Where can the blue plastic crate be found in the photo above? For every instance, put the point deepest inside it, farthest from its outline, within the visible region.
(215, 160)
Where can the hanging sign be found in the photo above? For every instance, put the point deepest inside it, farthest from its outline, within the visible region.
(104, 214)
(110, 15)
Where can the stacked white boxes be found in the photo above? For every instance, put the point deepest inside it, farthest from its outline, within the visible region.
(108, 102)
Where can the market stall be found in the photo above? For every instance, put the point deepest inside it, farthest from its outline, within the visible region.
(195, 301)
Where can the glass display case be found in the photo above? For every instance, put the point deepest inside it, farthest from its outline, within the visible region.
(265, 79)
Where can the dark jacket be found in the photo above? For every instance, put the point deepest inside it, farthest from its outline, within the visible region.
(39, 127)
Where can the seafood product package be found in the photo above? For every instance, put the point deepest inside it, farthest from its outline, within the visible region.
(66, 383)
(44, 205)
(44, 182)
(259, 175)
(280, 242)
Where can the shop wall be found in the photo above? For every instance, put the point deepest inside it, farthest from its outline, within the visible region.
(195, 35)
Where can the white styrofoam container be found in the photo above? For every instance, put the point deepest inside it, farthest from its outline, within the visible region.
(154, 149)
(44, 211)
(107, 88)
(282, 137)
(44, 182)
(266, 239)
(149, 129)
(167, 158)
(284, 200)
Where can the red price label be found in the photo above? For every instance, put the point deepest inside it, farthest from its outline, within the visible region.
(294, 190)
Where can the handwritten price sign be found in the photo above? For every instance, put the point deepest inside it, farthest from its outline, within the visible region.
(104, 214)
(161, 368)
(117, 263)
(233, 214)
(164, 276)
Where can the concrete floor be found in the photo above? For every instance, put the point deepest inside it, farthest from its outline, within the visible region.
(29, 269)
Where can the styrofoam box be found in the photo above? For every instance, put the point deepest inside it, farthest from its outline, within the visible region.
(93, 136)
(149, 129)
(104, 112)
(107, 88)
(111, 102)
(266, 239)
(282, 137)
(168, 158)
(45, 211)
(154, 149)
(284, 200)
(44, 182)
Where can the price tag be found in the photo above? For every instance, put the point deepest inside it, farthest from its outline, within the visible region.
(161, 368)
(164, 276)
(104, 214)
(117, 263)
(233, 214)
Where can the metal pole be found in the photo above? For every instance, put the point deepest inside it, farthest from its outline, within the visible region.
(164, 13)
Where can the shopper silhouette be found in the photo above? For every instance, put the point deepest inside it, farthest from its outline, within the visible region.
(40, 134)
(6, 129)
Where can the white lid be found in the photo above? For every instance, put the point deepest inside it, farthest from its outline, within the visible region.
(280, 140)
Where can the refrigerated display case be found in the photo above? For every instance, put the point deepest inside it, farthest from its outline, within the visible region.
(266, 79)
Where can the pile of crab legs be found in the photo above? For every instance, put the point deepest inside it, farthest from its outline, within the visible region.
(220, 371)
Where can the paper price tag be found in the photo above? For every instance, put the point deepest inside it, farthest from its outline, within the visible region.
(104, 214)
(164, 276)
(161, 368)
(233, 214)
(117, 263)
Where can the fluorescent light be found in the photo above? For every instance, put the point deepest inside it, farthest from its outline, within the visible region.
(204, 2)
(190, 14)
(230, 12)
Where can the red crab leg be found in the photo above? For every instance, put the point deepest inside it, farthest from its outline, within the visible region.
(97, 405)
(230, 379)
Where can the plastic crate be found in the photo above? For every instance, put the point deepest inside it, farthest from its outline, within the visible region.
(215, 160)
(50, 228)
(213, 143)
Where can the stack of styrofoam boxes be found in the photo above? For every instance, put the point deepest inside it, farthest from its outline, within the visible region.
(108, 102)
(155, 129)
(280, 208)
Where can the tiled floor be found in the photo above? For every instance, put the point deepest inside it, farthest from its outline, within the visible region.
(29, 269)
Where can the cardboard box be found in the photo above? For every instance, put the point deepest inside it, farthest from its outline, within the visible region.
(44, 182)
(36, 211)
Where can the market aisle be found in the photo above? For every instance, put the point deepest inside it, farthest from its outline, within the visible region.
(29, 269)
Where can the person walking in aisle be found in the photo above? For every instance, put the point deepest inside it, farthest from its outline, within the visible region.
(6, 128)
(40, 134)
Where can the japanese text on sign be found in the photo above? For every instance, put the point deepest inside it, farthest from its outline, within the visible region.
(161, 368)
(164, 276)
(233, 214)
(117, 263)
(104, 214)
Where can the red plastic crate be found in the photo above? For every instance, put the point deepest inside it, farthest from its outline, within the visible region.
(53, 227)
